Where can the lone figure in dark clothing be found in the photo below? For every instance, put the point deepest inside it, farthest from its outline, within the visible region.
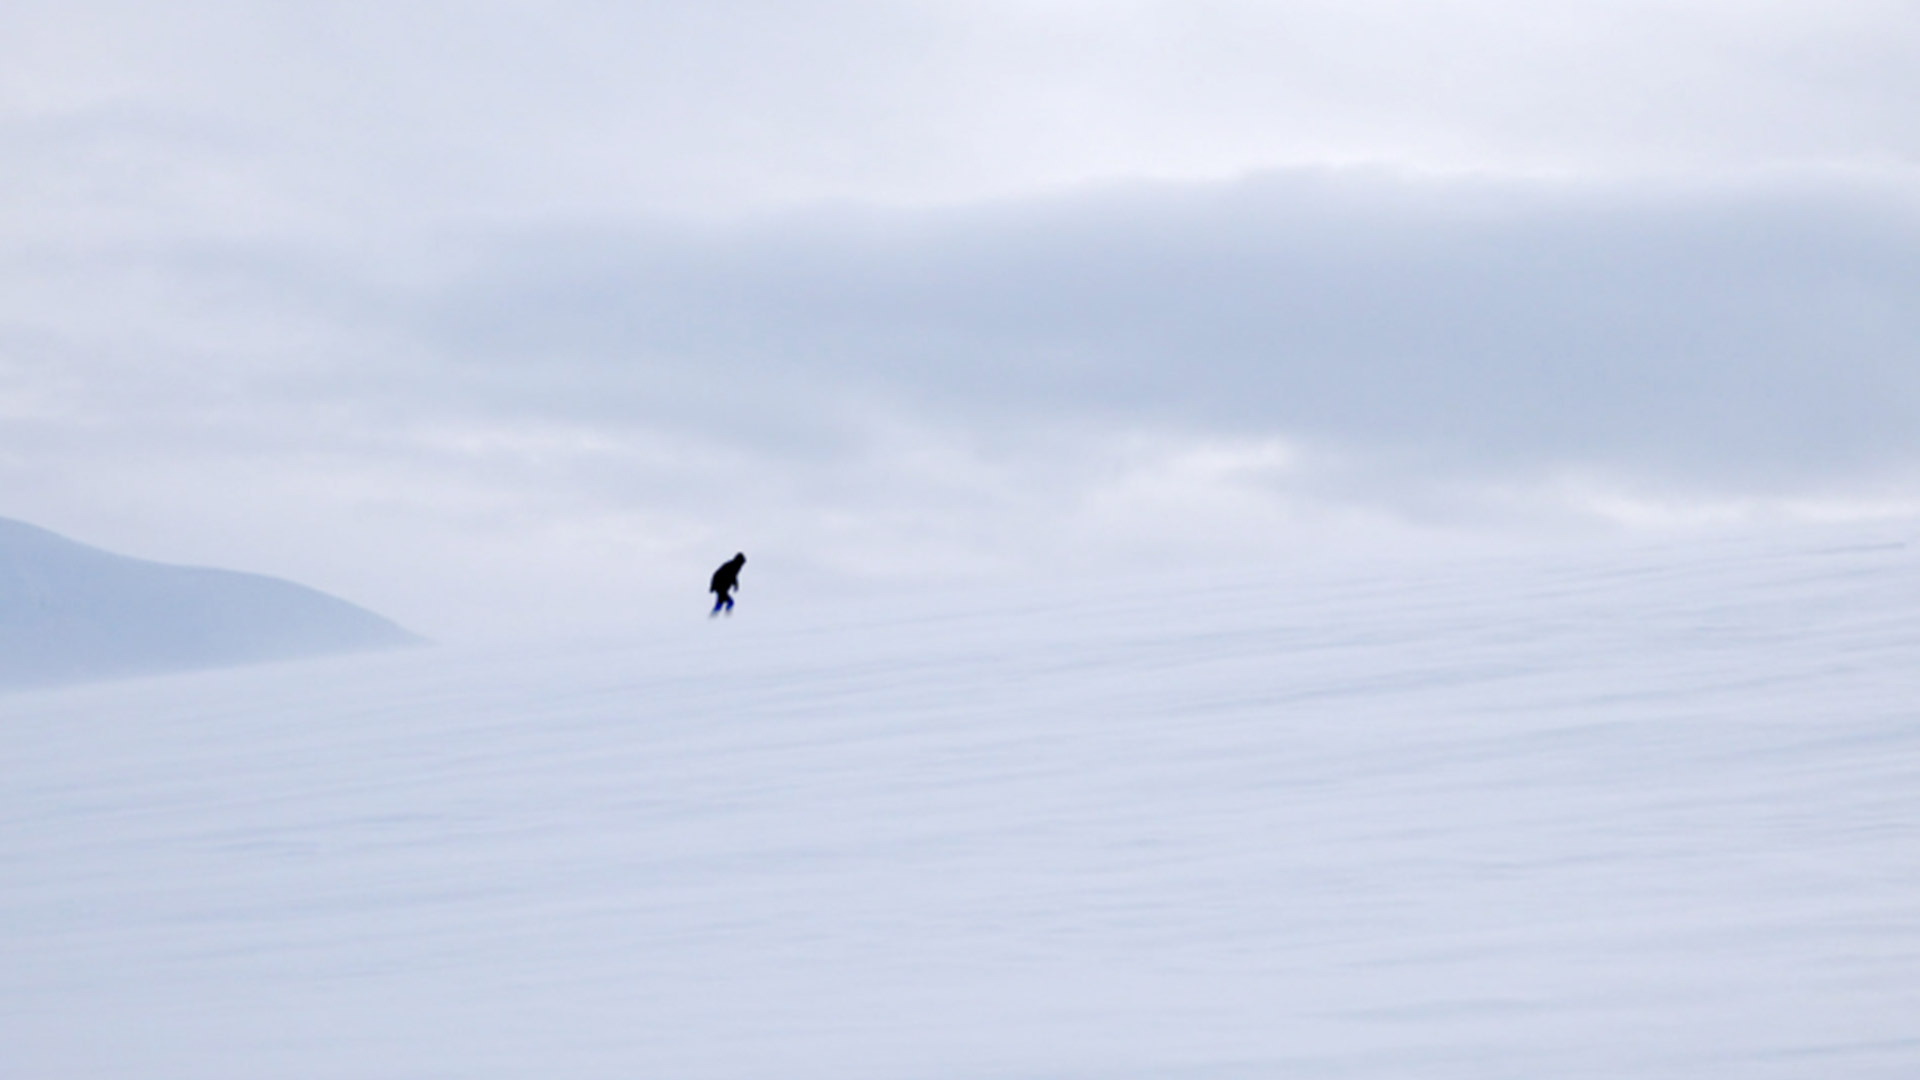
(725, 580)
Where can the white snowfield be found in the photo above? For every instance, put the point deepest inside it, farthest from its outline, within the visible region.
(1639, 814)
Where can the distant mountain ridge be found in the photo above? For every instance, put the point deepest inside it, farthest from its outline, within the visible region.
(73, 613)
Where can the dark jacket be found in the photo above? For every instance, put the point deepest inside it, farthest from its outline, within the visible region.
(727, 578)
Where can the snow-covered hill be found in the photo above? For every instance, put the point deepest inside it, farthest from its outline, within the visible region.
(1639, 814)
(70, 613)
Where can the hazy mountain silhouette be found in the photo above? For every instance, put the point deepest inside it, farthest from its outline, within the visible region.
(71, 613)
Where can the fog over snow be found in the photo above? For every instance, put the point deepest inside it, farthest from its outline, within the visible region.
(70, 613)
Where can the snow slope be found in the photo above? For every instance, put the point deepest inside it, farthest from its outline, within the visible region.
(72, 613)
(1643, 813)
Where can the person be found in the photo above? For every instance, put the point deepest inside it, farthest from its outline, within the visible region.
(725, 580)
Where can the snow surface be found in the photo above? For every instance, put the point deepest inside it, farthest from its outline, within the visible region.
(1642, 813)
(73, 613)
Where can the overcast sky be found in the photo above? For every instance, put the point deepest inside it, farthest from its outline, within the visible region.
(525, 315)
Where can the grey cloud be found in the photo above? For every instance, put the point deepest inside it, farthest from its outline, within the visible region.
(429, 269)
(1746, 337)
(332, 116)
